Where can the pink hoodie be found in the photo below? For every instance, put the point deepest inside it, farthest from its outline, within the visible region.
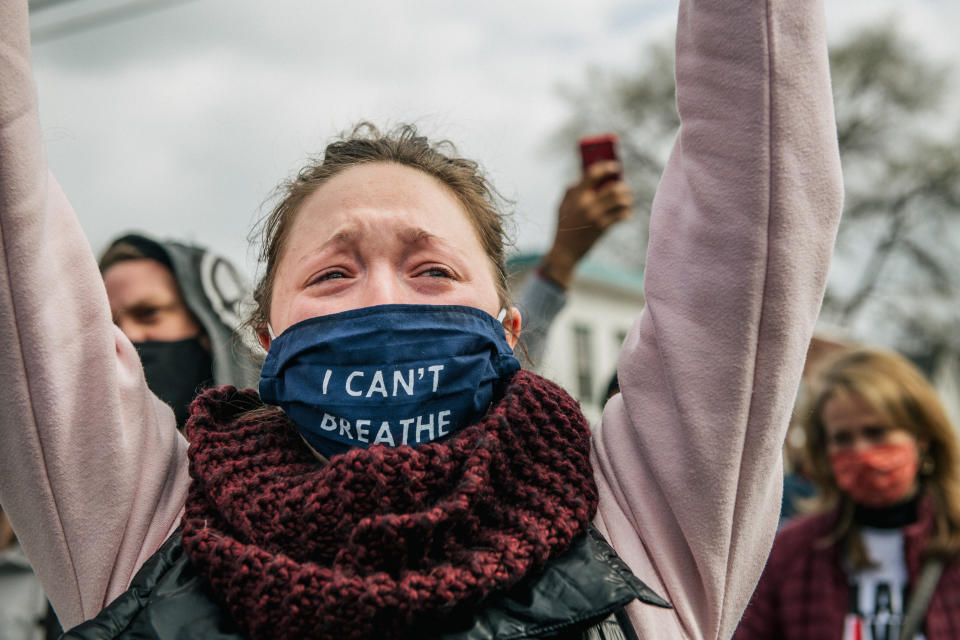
(94, 475)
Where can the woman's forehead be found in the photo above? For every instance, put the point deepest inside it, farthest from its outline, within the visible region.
(844, 406)
(385, 185)
(381, 198)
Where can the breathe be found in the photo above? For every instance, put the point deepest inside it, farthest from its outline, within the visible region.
(411, 431)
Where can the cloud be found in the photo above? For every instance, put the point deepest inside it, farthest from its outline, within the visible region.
(180, 122)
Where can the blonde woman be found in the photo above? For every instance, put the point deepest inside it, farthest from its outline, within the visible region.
(884, 457)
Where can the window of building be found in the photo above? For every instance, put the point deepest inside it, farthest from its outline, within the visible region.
(583, 361)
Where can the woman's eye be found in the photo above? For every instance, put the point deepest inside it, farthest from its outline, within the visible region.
(438, 272)
(328, 275)
(875, 434)
(842, 439)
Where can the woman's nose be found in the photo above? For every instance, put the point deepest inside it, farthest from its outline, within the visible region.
(381, 287)
(861, 443)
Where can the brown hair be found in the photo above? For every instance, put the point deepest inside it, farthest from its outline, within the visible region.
(897, 390)
(120, 252)
(364, 145)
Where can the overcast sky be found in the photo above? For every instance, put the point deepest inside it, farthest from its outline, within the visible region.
(180, 121)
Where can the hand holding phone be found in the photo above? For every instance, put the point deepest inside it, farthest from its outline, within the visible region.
(586, 212)
(599, 148)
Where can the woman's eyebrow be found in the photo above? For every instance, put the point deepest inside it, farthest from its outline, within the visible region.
(352, 235)
(408, 235)
(418, 238)
(343, 237)
(417, 235)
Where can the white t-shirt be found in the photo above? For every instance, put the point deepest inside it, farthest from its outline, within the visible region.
(878, 594)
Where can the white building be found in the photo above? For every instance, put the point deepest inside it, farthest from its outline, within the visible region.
(585, 338)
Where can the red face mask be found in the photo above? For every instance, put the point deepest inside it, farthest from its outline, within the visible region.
(879, 476)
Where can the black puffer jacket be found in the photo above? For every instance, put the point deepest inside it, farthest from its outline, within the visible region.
(581, 594)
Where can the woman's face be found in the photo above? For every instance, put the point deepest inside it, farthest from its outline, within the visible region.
(381, 234)
(852, 424)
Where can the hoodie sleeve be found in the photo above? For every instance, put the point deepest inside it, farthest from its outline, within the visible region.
(539, 302)
(93, 470)
(687, 457)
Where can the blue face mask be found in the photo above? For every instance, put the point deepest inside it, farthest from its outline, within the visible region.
(392, 374)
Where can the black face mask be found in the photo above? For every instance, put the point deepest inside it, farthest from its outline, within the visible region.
(176, 371)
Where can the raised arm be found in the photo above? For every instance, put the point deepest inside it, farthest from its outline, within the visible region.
(688, 456)
(92, 470)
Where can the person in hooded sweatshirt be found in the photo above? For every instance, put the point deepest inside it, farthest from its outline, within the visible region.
(180, 305)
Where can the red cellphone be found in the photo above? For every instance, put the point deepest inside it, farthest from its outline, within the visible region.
(598, 148)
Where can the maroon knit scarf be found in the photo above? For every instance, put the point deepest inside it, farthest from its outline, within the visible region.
(380, 541)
